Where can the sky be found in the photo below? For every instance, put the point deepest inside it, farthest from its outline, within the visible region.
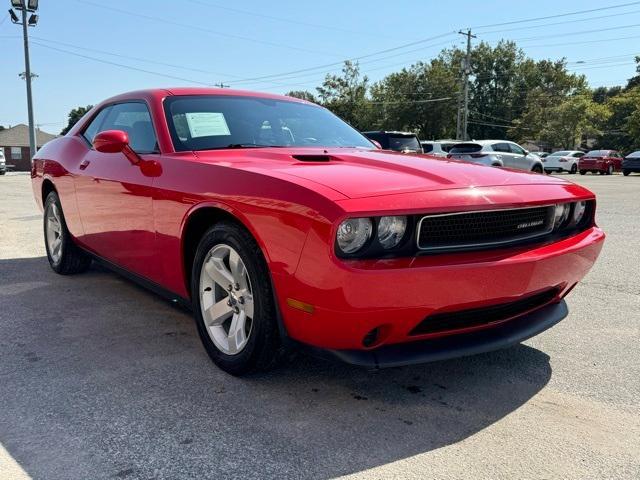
(85, 51)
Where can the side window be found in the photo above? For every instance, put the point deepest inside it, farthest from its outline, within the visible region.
(501, 147)
(135, 119)
(516, 149)
(578, 154)
(94, 127)
(427, 147)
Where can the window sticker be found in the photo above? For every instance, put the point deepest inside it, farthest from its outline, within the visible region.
(207, 124)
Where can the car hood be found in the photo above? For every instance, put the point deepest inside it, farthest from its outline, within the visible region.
(359, 173)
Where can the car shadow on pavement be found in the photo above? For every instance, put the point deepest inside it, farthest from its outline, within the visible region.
(102, 379)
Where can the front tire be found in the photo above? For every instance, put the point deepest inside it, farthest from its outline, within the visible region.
(610, 170)
(65, 257)
(574, 169)
(537, 169)
(233, 301)
(583, 172)
(626, 173)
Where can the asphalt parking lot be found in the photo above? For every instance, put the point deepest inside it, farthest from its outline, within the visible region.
(101, 379)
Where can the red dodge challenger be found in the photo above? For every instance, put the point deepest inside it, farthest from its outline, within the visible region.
(278, 224)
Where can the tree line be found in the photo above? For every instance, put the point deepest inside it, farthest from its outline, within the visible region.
(511, 96)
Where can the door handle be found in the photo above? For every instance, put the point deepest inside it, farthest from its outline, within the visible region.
(84, 164)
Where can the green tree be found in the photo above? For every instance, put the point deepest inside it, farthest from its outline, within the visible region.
(303, 95)
(635, 81)
(346, 95)
(75, 115)
(622, 129)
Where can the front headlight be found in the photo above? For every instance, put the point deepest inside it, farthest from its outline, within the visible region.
(391, 231)
(561, 215)
(578, 212)
(353, 234)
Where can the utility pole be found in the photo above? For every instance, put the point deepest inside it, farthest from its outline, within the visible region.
(25, 6)
(463, 113)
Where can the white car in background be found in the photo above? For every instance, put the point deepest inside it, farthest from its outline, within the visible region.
(438, 148)
(562, 161)
(3, 164)
(497, 153)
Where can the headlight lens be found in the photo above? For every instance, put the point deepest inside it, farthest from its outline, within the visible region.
(353, 234)
(561, 215)
(391, 231)
(578, 212)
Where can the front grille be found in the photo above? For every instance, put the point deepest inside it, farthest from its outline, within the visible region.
(483, 228)
(475, 317)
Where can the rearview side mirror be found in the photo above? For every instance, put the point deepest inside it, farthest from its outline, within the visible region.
(115, 141)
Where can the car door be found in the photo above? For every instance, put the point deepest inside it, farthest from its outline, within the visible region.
(503, 153)
(115, 196)
(616, 160)
(519, 157)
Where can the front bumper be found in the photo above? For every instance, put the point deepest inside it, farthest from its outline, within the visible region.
(502, 336)
(350, 298)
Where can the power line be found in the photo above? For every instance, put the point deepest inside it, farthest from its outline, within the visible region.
(129, 67)
(548, 17)
(580, 32)
(285, 20)
(202, 29)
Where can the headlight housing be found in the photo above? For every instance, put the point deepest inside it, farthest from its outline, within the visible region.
(561, 215)
(353, 234)
(579, 210)
(391, 231)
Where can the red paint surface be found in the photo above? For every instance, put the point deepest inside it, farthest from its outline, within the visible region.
(134, 215)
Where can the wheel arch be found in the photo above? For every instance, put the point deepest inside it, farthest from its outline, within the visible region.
(46, 188)
(197, 221)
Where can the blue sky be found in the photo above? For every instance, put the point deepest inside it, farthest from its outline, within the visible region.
(208, 41)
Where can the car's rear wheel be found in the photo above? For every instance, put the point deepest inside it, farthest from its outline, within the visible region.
(574, 169)
(233, 301)
(583, 172)
(64, 255)
(626, 173)
(610, 170)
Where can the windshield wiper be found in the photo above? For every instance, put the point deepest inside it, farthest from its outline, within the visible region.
(251, 145)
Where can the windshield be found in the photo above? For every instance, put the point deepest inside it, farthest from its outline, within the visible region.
(598, 153)
(560, 154)
(208, 122)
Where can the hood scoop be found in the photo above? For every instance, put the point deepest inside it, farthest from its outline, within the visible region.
(313, 157)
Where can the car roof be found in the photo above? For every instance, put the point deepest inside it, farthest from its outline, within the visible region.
(171, 91)
(391, 132)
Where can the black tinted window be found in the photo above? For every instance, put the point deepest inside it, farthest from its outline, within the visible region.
(427, 147)
(465, 148)
(133, 118)
(501, 147)
(206, 122)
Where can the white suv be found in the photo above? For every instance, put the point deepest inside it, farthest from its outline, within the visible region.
(3, 164)
(497, 153)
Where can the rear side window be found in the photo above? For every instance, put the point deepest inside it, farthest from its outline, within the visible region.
(501, 147)
(578, 154)
(465, 148)
(446, 146)
(427, 147)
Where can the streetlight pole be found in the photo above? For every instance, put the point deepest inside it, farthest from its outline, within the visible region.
(27, 68)
(25, 6)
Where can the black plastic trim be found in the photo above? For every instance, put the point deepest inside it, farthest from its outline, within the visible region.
(457, 345)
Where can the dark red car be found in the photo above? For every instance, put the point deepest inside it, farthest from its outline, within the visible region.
(279, 224)
(605, 162)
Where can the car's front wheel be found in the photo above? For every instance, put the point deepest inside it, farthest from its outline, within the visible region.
(233, 301)
(610, 170)
(537, 169)
(583, 172)
(65, 257)
(626, 173)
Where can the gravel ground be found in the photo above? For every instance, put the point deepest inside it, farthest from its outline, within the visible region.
(102, 379)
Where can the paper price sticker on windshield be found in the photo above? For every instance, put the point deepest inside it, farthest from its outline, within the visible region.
(207, 124)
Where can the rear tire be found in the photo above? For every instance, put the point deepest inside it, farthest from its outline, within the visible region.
(626, 173)
(574, 169)
(537, 169)
(610, 170)
(238, 327)
(583, 172)
(65, 257)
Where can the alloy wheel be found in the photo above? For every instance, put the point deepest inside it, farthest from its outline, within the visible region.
(226, 299)
(54, 232)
